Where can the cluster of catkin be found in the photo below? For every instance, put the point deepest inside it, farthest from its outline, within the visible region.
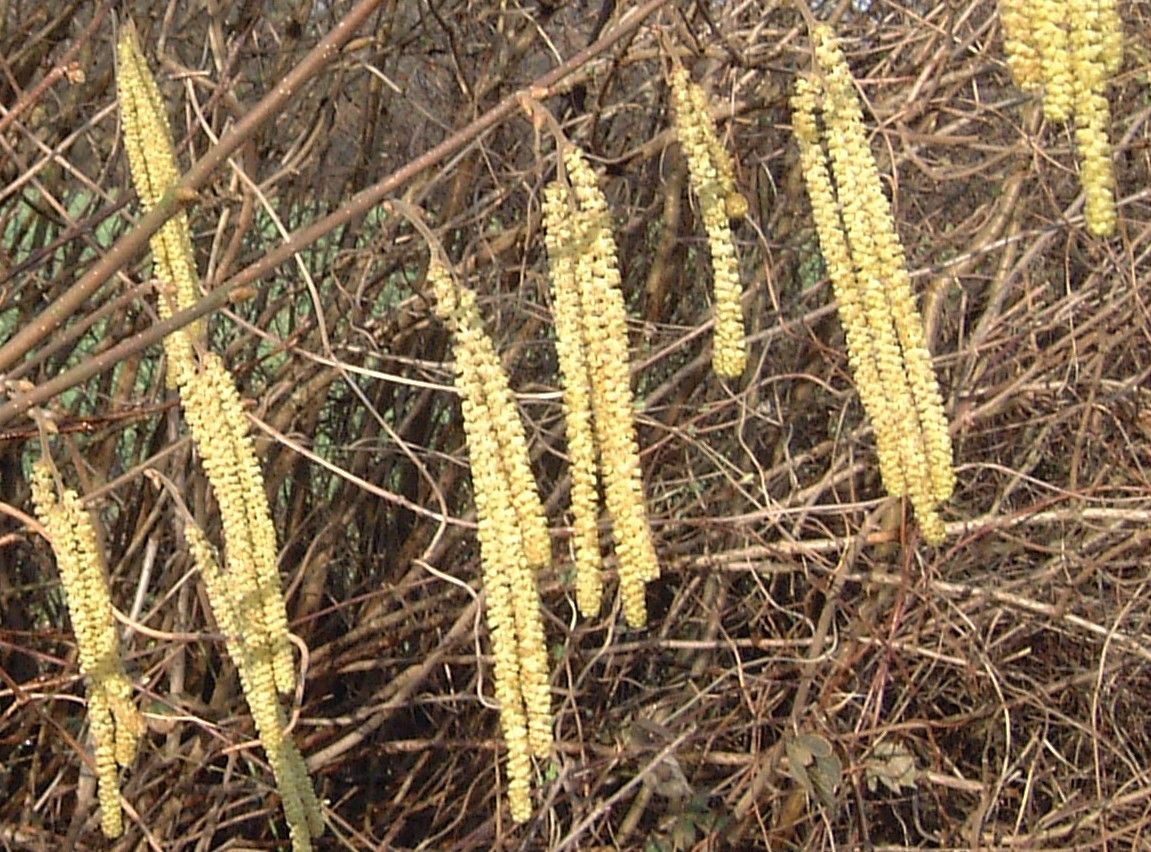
(591, 333)
(514, 542)
(713, 183)
(865, 261)
(1069, 50)
(116, 723)
(246, 596)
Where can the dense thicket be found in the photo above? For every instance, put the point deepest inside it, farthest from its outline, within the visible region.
(993, 690)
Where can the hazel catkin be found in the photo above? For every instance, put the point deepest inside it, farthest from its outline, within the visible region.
(116, 723)
(865, 261)
(514, 544)
(1069, 51)
(591, 326)
(713, 182)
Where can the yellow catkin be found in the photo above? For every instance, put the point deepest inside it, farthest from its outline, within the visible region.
(512, 532)
(1049, 29)
(211, 403)
(895, 324)
(882, 270)
(712, 181)
(535, 680)
(563, 255)
(1093, 52)
(1079, 45)
(1019, 42)
(1111, 33)
(886, 343)
(257, 678)
(603, 335)
(215, 415)
(116, 723)
(247, 596)
(152, 158)
(849, 292)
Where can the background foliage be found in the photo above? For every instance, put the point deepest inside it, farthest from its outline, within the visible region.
(993, 691)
